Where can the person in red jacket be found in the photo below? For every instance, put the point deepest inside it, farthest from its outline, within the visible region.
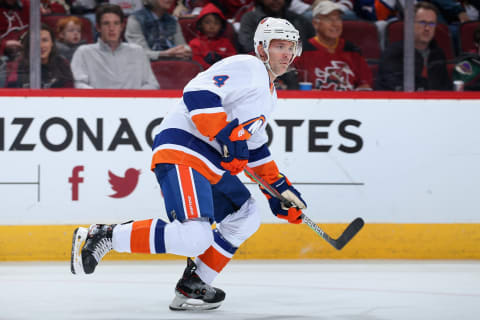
(14, 20)
(328, 61)
(211, 45)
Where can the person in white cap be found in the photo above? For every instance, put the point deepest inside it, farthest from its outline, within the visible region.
(215, 131)
(329, 61)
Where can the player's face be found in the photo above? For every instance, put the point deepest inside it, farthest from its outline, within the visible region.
(425, 23)
(328, 26)
(280, 53)
(110, 28)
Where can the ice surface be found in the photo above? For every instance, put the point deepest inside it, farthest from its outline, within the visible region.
(260, 290)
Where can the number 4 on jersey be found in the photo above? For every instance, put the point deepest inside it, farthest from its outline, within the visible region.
(220, 80)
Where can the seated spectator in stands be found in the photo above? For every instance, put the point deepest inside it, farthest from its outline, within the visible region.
(210, 45)
(190, 8)
(157, 32)
(55, 69)
(468, 70)
(271, 8)
(54, 7)
(111, 63)
(430, 63)
(328, 61)
(69, 33)
(128, 6)
(14, 20)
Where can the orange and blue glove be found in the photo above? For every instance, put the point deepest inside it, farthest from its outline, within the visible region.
(293, 210)
(232, 139)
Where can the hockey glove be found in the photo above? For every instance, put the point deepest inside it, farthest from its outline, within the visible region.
(234, 147)
(291, 212)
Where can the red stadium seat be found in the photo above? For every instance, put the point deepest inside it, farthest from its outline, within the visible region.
(175, 74)
(394, 33)
(466, 35)
(87, 29)
(363, 34)
(189, 30)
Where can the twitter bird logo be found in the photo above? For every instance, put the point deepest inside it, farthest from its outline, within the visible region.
(123, 186)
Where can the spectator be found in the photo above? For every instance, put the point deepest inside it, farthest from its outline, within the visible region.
(430, 63)
(451, 10)
(69, 33)
(328, 61)
(54, 7)
(210, 45)
(468, 70)
(128, 6)
(157, 32)
(55, 69)
(14, 20)
(347, 7)
(271, 8)
(111, 63)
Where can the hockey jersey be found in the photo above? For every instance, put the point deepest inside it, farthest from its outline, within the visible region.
(236, 87)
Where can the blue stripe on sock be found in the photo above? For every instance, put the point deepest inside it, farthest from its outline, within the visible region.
(160, 236)
(223, 243)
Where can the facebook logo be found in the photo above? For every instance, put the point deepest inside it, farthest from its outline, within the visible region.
(75, 180)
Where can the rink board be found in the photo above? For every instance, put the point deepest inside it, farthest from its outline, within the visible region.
(406, 163)
(277, 241)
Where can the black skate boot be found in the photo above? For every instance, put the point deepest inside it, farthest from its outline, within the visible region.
(189, 287)
(97, 242)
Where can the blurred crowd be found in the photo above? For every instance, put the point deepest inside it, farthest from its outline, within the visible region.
(161, 44)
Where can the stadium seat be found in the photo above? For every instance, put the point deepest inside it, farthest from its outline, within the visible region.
(189, 29)
(363, 34)
(394, 33)
(175, 74)
(466, 36)
(87, 28)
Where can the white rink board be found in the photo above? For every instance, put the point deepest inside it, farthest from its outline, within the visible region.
(418, 161)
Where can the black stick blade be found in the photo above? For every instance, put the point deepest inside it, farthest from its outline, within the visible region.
(349, 233)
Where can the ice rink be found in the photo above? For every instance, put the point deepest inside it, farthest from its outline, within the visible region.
(260, 290)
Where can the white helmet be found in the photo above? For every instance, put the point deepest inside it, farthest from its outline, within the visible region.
(276, 28)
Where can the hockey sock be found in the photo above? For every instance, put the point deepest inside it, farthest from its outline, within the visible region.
(189, 238)
(215, 258)
(144, 236)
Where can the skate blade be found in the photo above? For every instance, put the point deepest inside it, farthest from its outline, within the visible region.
(182, 303)
(79, 237)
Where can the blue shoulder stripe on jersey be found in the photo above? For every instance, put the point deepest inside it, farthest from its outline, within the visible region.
(183, 138)
(224, 244)
(201, 99)
(258, 154)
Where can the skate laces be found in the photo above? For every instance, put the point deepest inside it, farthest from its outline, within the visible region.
(102, 248)
(103, 245)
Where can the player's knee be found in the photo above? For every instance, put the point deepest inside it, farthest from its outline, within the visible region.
(190, 238)
(242, 224)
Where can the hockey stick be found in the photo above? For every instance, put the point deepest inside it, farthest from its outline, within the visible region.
(339, 243)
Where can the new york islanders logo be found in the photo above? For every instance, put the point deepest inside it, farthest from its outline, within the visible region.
(123, 186)
(219, 81)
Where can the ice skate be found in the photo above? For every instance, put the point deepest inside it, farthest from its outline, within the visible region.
(89, 246)
(192, 294)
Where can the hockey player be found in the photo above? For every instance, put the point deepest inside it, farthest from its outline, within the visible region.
(217, 128)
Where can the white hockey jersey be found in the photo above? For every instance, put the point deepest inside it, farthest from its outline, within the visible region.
(237, 87)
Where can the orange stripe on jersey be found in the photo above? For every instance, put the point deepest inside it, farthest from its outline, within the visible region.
(140, 236)
(180, 157)
(209, 124)
(189, 197)
(268, 171)
(214, 259)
